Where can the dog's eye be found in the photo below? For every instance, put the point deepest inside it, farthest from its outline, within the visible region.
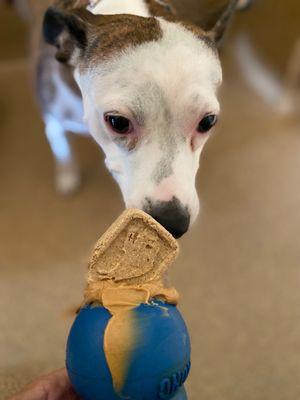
(119, 124)
(207, 123)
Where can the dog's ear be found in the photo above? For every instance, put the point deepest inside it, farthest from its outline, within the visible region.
(217, 21)
(67, 31)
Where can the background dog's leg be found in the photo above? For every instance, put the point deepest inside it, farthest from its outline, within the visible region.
(291, 95)
(67, 176)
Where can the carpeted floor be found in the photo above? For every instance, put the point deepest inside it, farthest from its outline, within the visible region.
(239, 272)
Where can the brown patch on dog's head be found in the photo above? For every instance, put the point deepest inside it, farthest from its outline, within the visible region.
(82, 38)
(117, 32)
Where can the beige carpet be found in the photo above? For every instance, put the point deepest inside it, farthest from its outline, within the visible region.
(239, 272)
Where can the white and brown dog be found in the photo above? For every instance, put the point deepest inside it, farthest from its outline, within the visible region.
(143, 84)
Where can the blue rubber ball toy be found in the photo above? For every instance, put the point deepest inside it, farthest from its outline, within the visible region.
(159, 364)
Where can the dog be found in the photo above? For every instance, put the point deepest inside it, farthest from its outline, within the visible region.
(143, 83)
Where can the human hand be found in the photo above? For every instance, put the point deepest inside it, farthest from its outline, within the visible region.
(55, 386)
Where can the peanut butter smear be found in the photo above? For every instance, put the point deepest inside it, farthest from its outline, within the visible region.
(127, 268)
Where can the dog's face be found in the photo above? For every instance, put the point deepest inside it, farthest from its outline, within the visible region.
(151, 109)
(149, 90)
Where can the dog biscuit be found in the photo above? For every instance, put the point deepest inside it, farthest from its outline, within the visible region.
(135, 250)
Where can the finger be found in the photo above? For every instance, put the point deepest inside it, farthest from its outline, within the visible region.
(55, 386)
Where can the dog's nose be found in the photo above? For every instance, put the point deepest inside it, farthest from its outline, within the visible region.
(172, 215)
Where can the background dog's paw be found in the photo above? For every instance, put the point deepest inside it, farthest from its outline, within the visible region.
(243, 4)
(67, 181)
